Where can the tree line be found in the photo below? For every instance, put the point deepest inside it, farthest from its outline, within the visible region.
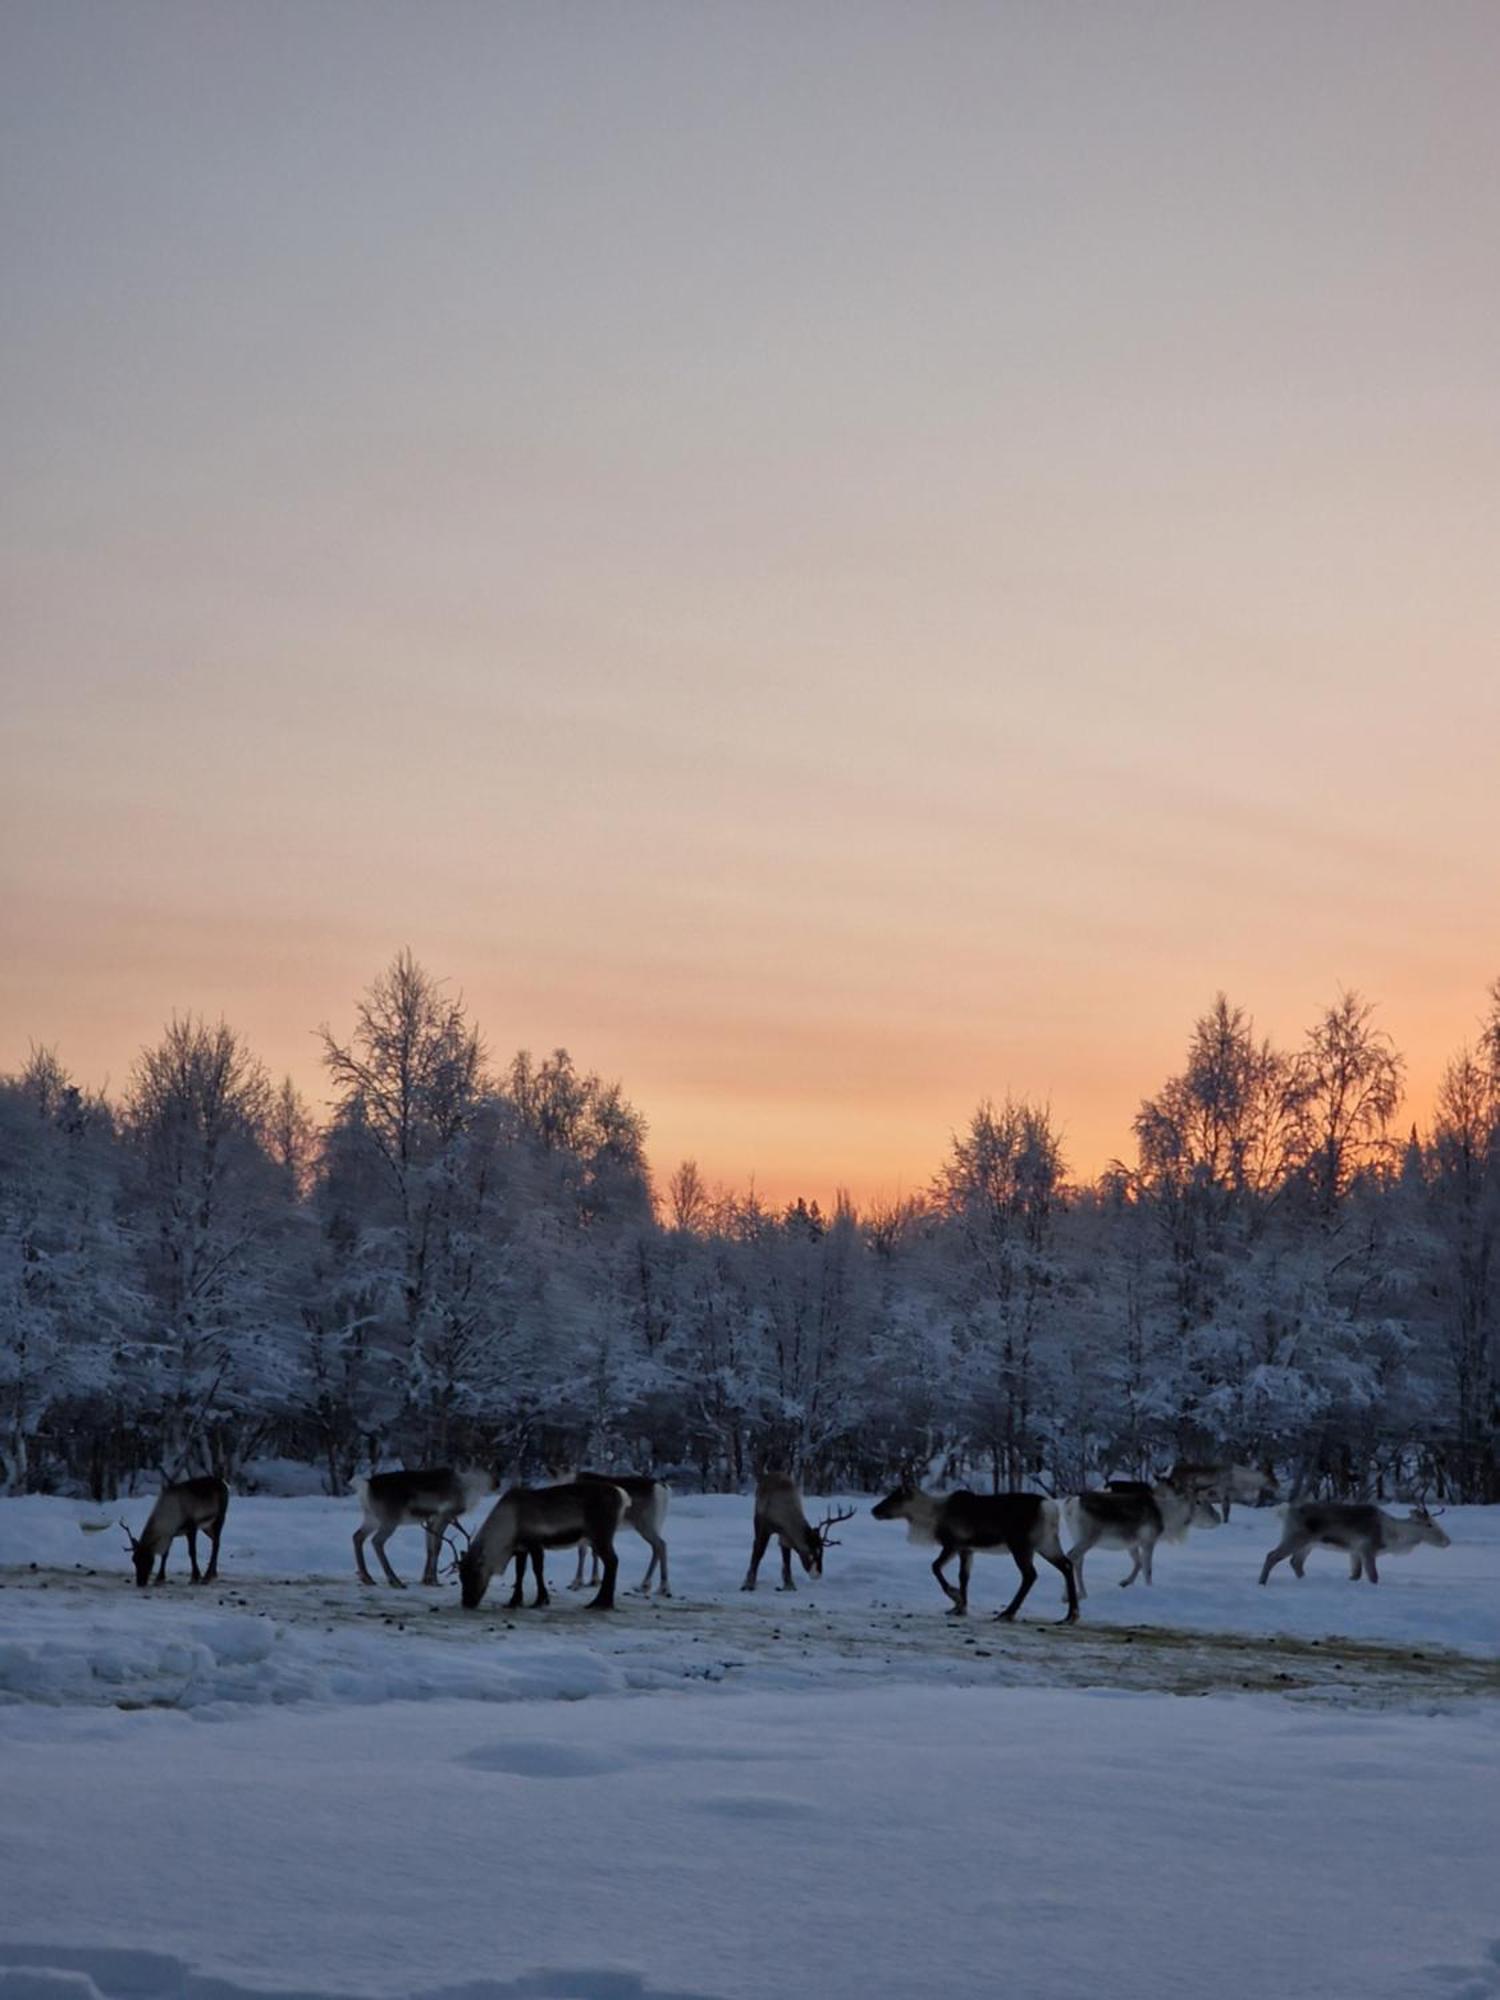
(470, 1262)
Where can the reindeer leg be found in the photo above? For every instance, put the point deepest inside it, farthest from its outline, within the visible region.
(214, 1534)
(957, 1604)
(1027, 1568)
(1356, 1568)
(539, 1571)
(1060, 1561)
(788, 1581)
(605, 1601)
(1075, 1557)
(161, 1574)
(1299, 1564)
(583, 1556)
(762, 1542)
(192, 1542)
(359, 1553)
(435, 1529)
(516, 1601)
(1370, 1570)
(663, 1587)
(1289, 1547)
(377, 1543)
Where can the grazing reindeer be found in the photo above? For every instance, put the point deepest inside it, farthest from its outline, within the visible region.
(1225, 1483)
(647, 1513)
(1361, 1530)
(432, 1499)
(965, 1524)
(528, 1520)
(778, 1512)
(1136, 1518)
(181, 1510)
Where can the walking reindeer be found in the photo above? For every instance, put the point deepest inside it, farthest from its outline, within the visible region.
(779, 1513)
(1134, 1518)
(967, 1524)
(1225, 1484)
(181, 1509)
(1361, 1530)
(431, 1498)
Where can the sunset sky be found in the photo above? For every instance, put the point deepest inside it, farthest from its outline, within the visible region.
(834, 560)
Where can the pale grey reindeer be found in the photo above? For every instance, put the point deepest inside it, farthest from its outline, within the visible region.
(1359, 1528)
(647, 1514)
(779, 1513)
(431, 1498)
(1226, 1484)
(526, 1521)
(1135, 1519)
(181, 1509)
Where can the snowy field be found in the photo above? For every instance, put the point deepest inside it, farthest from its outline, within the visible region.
(288, 1784)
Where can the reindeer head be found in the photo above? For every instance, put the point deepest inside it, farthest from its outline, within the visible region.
(819, 1539)
(140, 1555)
(474, 1572)
(895, 1506)
(1428, 1529)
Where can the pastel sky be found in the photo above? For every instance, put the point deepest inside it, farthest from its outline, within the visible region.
(834, 559)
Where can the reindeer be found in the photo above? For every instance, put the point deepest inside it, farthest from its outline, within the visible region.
(181, 1509)
(965, 1524)
(1361, 1530)
(1225, 1483)
(778, 1512)
(432, 1499)
(649, 1499)
(528, 1520)
(1134, 1517)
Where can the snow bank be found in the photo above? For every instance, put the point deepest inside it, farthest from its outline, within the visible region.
(891, 1843)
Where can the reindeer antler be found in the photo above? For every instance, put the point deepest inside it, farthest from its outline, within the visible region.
(128, 1536)
(832, 1521)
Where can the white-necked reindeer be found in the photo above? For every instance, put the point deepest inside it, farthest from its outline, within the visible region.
(778, 1512)
(1361, 1530)
(647, 1514)
(1225, 1484)
(432, 1499)
(181, 1509)
(1135, 1519)
(529, 1520)
(967, 1524)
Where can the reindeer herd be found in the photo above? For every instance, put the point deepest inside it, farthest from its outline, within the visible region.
(590, 1511)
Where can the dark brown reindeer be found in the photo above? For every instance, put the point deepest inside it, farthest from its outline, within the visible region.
(778, 1512)
(431, 1499)
(528, 1520)
(181, 1509)
(965, 1524)
(1135, 1517)
(647, 1514)
(1361, 1530)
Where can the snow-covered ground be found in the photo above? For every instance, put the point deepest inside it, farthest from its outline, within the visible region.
(287, 1783)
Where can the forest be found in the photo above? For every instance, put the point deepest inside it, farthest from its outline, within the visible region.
(470, 1262)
